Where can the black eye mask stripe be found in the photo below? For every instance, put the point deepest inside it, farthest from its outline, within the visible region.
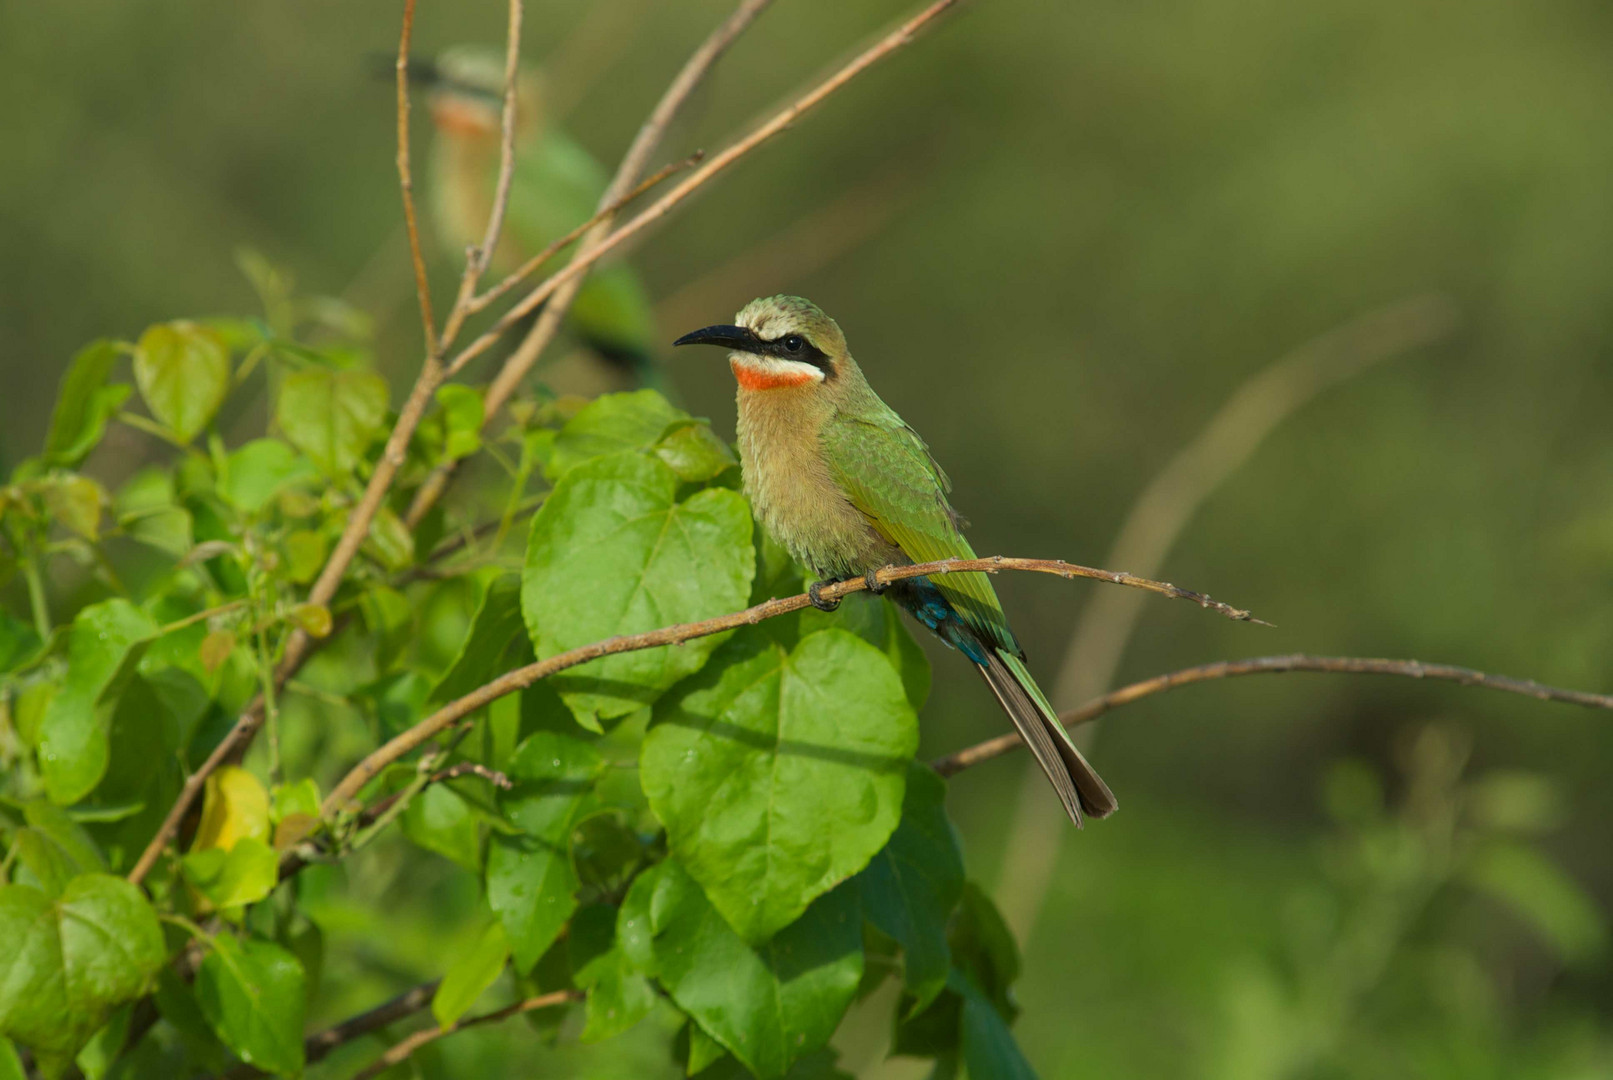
(808, 353)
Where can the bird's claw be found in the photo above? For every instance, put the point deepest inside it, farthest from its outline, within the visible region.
(814, 593)
(875, 586)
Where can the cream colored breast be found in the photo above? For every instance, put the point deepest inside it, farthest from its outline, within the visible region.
(791, 490)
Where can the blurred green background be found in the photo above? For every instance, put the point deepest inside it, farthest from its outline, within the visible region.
(1058, 237)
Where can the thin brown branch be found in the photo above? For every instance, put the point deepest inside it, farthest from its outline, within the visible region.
(343, 794)
(1276, 665)
(422, 287)
(1162, 512)
(560, 293)
(299, 856)
(778, 122)
(804, 246)
(479, 257)
(319, 1045)
(483, 300)
(409, 1044)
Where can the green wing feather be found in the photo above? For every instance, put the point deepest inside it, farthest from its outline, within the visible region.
(887, 472)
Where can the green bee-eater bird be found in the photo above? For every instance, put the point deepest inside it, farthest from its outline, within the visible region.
(847, 487)
(556, 186)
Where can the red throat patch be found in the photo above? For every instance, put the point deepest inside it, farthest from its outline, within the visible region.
(755, 378)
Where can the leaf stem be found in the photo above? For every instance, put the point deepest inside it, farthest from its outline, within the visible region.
(37, 600)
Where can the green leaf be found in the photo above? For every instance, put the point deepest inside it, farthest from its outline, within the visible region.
(694, 452)
(244, 874)
(105, 1046)
(256, 472)
(877, 622)
(19, 641)
(461, 419)
(84, 404)
(1543, 895)
(332, 416)
(910, 888)
(618, 995)
(53, 848)
(69, 961)
(470, 975)
(105, 644)
(608, 424)
(390, 540)
(75, 502)
(497, 621)
(252, 994)
(988, 1046)
(769, 1005)
(984, 949)
(10, 1063)
(613, 551)
(531, 882)
(305, 555)
(183, 372)
(439, 820)
(780, 774)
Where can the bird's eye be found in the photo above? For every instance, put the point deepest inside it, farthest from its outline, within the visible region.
(794, 342)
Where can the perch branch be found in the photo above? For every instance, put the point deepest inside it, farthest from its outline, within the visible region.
(1276, 665)
(362, 773)
(410, 1043)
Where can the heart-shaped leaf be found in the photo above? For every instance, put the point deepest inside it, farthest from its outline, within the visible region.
(779, 774)
(252, 993)
(68, 961)
(615, 551)
(769, 1005)
(183, 372)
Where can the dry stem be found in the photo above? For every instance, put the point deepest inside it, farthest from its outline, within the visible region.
(409, 1044)
(347, 790)
(955, 763)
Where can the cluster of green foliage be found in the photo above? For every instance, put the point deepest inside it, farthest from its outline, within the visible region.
(731, 831)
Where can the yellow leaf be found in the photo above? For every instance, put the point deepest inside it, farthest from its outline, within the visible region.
(235, 805)
(216, 648)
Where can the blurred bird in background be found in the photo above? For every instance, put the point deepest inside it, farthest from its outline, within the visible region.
(555, 187)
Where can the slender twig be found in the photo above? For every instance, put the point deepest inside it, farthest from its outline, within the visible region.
(802, 247)
(632, 166)
(493, 293)
(318, 1046)
(1276, 665)
(342, 795)
(1159, 515)
(422, 286)
(406, 1046)
(778, 122)
(478, 258)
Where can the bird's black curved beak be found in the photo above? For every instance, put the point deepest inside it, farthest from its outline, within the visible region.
(728, 337)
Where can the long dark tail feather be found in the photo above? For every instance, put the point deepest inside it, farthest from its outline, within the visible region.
(1079, 786)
